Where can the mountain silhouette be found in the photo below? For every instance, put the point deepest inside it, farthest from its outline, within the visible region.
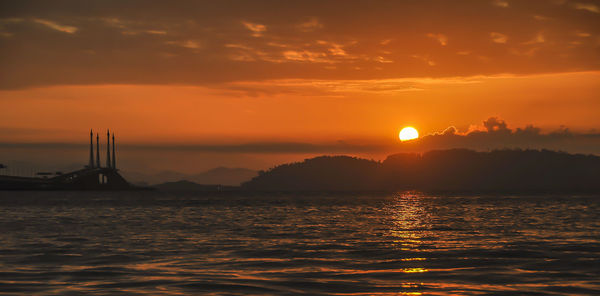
(455, 170)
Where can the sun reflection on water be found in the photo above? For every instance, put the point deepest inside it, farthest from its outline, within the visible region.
(405, 244)
(409, 221)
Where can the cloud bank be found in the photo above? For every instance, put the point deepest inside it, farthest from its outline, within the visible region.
(202, 43)
(494, 133)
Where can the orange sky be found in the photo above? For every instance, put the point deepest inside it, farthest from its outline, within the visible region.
(240, 72)
(315, 111)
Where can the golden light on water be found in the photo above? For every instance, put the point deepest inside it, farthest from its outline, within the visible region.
(408, 133)
(413, 270)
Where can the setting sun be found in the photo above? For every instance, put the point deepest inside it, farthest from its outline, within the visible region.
(408, 133)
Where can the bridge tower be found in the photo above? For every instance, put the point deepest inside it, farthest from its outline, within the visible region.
(114, 156)
(97, 151)
(91, 162)
(108, 162)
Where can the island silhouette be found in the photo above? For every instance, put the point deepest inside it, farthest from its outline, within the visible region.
(454, 170)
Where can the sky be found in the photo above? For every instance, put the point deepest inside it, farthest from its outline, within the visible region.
(191, 85)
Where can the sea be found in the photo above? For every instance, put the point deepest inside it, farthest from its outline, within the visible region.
(405, 243)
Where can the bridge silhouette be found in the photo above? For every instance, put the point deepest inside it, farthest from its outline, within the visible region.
(92, 177)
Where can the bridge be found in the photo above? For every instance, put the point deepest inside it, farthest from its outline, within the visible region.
(92, 177)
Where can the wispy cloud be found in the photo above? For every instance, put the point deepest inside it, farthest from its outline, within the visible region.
(524, 52)
(306, 56)
(318, 52)
(333, 48)
(385, 42)
(284, 42)
(156, 32)
(441, 38)
(256, 29)
(310, 25)
(540, 18)
(336, 88)
(190, 44)
(587, 6)
(500, 3)
(498, 37)
(425, 58)
(539, 38)
(582, 34)
(382, 60)
(56, 26)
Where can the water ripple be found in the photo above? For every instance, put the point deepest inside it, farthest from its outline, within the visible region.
(404, 244)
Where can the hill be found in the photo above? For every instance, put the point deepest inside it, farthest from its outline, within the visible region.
(342, 173)
(456, 170)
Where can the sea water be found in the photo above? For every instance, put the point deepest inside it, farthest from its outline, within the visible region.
(293, 244)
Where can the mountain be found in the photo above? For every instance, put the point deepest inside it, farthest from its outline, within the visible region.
(456, 170)
(220, 175)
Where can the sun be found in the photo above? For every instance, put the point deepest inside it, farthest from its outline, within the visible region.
(408, 133)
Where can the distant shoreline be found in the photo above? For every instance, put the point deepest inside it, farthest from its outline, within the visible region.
(438, 172)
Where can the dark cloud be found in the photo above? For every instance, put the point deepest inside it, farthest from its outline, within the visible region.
(493, 124)
(203, 43)
(495, 134)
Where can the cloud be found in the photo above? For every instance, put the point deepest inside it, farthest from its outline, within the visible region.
(306, 56)
(524, 52)
(498, 37)
(425, 58)
(494, 133)
(441, 38)
(541, 18)
(257, 29)
(500, 3)
(280, 40)
(334, 48)
(311, 25)
(156, 32)
(385, 42)
(383, 59)
(319, 52)
(190, 44)
(587, 6)
(338, 88)
(493, 124)
(539, 38)
(56, 26)
(582, 34)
